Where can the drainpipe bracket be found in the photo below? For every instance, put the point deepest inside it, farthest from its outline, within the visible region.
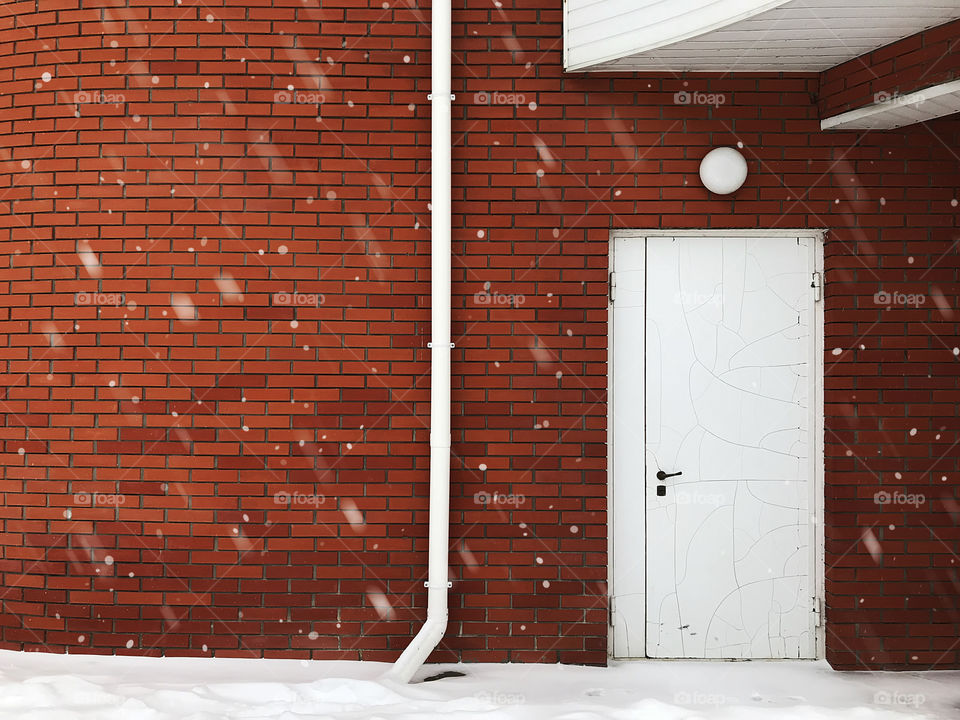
(430, 345)
(426, 584)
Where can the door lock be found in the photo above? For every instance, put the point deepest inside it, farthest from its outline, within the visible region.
(661, 475)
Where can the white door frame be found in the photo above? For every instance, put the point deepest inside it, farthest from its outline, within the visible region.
(816, 411)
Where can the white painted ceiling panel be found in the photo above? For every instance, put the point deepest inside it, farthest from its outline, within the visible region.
(603, 30)
(793, 36)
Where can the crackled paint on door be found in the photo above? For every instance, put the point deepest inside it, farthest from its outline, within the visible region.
(712, 359)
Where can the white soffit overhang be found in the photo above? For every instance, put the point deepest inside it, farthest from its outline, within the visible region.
(893, 111)
(738, 35)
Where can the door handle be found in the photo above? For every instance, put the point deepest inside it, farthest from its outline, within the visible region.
(661, 475)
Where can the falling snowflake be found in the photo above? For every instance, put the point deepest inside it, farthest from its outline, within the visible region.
(89, 260)
(183, 306)
(229, 289)
(353, 515)
(873, 545)
(380, 604)
(54, 337)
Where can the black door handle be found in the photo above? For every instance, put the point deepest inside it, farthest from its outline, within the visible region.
(661, 475)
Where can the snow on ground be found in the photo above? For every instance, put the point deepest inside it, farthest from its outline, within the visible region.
(35, 686)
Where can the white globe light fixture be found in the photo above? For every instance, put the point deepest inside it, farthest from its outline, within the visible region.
(723, 170)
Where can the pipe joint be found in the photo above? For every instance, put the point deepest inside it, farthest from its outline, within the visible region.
(441, 443)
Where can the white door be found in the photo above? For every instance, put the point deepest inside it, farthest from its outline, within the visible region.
(713, 389)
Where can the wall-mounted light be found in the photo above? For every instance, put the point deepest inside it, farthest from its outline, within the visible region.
(723, 170)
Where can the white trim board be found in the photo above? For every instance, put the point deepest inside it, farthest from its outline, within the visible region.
(817, 237)
(896, 111)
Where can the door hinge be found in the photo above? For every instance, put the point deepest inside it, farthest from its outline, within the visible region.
(613, 286)
(610, 610)
(817, 284)
(818, 610)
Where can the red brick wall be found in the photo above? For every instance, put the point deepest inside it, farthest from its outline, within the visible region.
(903, 67)
(189, 420)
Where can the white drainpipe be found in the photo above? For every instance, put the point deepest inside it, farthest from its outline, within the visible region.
(439, 540)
